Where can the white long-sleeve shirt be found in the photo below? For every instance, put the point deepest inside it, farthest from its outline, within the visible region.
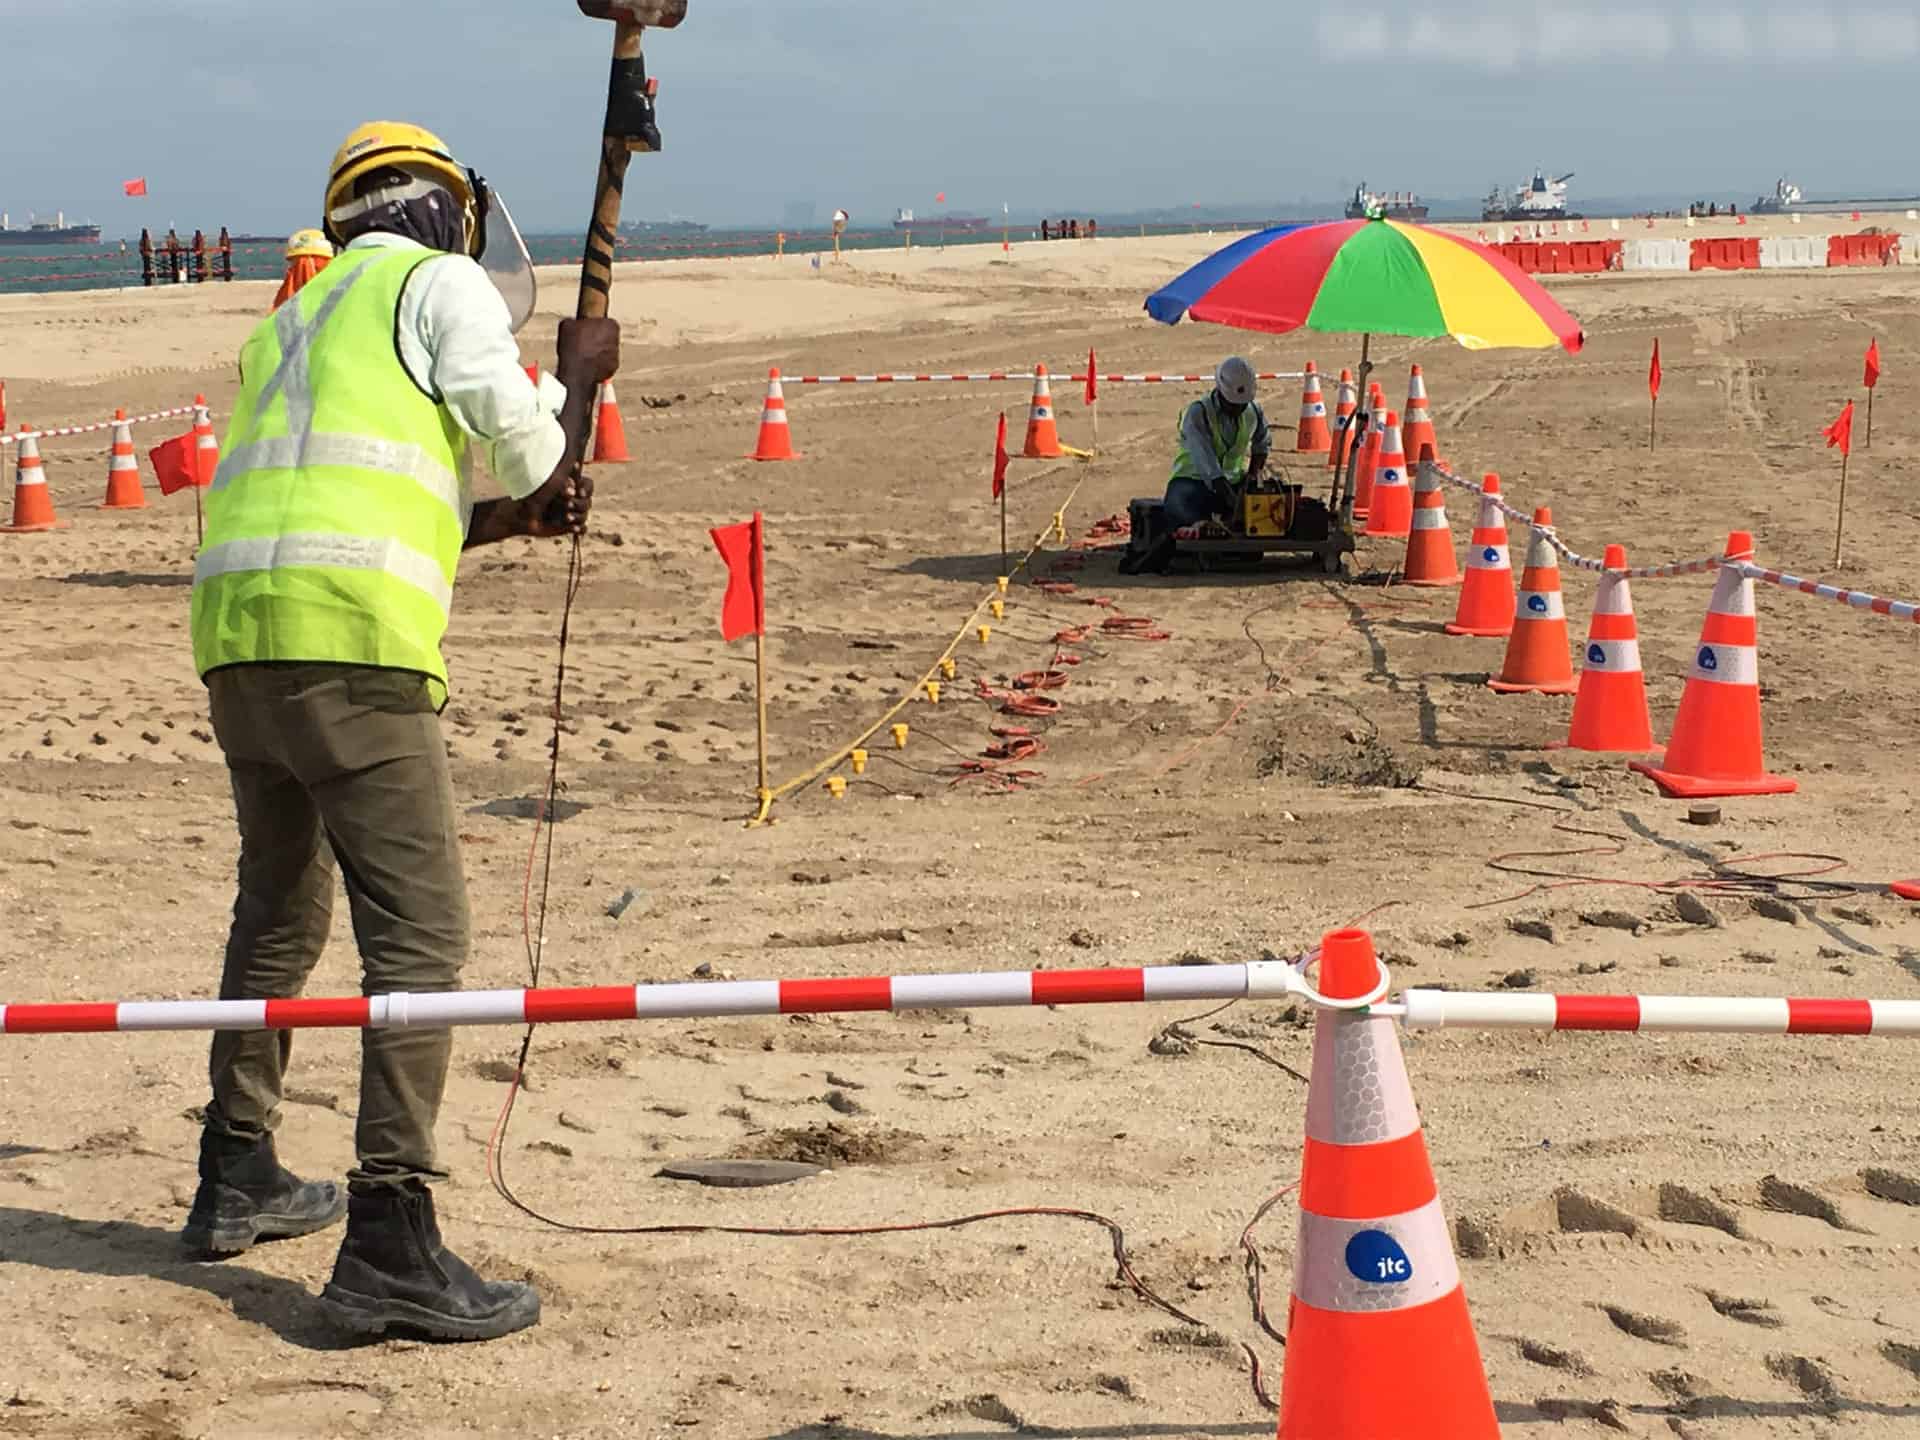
(456, 341)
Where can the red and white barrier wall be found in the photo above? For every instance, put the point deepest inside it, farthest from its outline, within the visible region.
(1719, 252)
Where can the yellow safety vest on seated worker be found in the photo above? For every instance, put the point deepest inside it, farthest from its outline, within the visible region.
(337, 516)
(1232, 452)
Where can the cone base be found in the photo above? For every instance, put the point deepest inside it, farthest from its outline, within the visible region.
(1906, 889)
(791, 455)
(1326, 449)
(33, 529)
(1054, 454)
(138, 502)
(1699, 787)
(1479, 632)
(1549, 687)
(1335, 1385)
(1432, 584)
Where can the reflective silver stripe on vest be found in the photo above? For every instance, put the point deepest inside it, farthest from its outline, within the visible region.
(357, 452)
(295, 338)
(340, 552)
(1366, 1266)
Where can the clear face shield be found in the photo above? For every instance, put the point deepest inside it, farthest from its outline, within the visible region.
(502, 253)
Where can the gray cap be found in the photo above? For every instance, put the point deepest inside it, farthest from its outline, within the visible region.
(1234, 381)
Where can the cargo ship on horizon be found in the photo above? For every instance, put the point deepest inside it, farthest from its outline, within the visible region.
(903, 220)
(48, 232)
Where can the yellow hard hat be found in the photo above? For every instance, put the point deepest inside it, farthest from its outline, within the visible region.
(308, 242)
(395, 142)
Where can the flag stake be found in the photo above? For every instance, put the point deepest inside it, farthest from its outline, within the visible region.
(1867, 443)
(1653, 414)
(1841, 522)
(760, 701)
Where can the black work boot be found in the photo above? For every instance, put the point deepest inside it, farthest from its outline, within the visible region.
(393, 1271)
(246, 1195)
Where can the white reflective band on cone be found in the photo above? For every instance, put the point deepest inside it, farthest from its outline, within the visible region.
(773, 417)
(1489, 557)
(1318, 407)
(1727, 664)
(1732, 593)
(1429, 517)
(1540, 553)
(1613, 656)
(1043, 412)
(1388, 476)
(1540, 605)
(1360, 1094)
(1358, 1267)
(1612, 597)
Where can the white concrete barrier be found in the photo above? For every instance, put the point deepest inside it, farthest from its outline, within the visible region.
(1793, 252)
(1655, 255)
(1910, 249)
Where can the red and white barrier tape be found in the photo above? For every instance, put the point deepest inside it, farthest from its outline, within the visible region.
(1702, 565)
(1064, 379)
(1856, 599)
(1728, 1015)
(58, 430)
(1261, 979)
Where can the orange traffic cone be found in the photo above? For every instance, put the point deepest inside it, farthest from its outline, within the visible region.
(1043, 440)
(1368, 463)
(1486, 599)
(32, 505)
(1536, 659)
(1715, 748)
(774, 442)
(1343, 408)
(1430, 545)
(123, 471)
(1419, 425)
(1610, 710)
(203, 438)
(1313, 437)
(609, 433)
(1391, 513)
(1379, 1342)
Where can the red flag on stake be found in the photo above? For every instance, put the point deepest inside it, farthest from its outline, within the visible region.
(1840, 432)
(134, 187)
(744, 609)
(1653, 371)
(1873, 363)
(1093, 387)
(1000, 458)
(178, 464)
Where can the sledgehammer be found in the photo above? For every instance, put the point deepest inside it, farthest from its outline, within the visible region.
(629, 127)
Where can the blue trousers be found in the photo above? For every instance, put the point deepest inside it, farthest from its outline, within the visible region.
(1189, 501)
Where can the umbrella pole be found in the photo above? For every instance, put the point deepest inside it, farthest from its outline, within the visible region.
(1357, 434)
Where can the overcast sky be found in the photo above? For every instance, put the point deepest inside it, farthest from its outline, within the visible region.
(231, 108)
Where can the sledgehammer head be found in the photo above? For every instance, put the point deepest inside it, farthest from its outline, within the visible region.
(663, 13)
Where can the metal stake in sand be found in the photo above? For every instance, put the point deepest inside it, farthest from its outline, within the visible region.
(1841, 433)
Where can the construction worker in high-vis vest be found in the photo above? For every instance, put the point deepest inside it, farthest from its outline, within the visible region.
(334, 529)
(1222, 446)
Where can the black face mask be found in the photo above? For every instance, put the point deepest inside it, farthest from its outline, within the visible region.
(433, 219)
(1228, 409)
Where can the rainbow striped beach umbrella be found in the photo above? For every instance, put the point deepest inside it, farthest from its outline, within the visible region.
(1367, 277)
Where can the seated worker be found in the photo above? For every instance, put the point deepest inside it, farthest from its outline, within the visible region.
(1223, 447)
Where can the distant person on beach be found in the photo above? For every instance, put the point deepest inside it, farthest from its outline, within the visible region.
(1223, 445)
(308, 252)
(335, 525)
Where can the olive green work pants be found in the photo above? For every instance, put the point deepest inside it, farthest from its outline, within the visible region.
(340, 763)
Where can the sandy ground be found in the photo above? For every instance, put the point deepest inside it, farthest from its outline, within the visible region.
(1694, 1236)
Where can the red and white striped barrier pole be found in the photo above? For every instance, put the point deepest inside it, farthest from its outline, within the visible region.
(1257, 980)
(1855, 599)
(1261, 979)
(1705, 1014)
